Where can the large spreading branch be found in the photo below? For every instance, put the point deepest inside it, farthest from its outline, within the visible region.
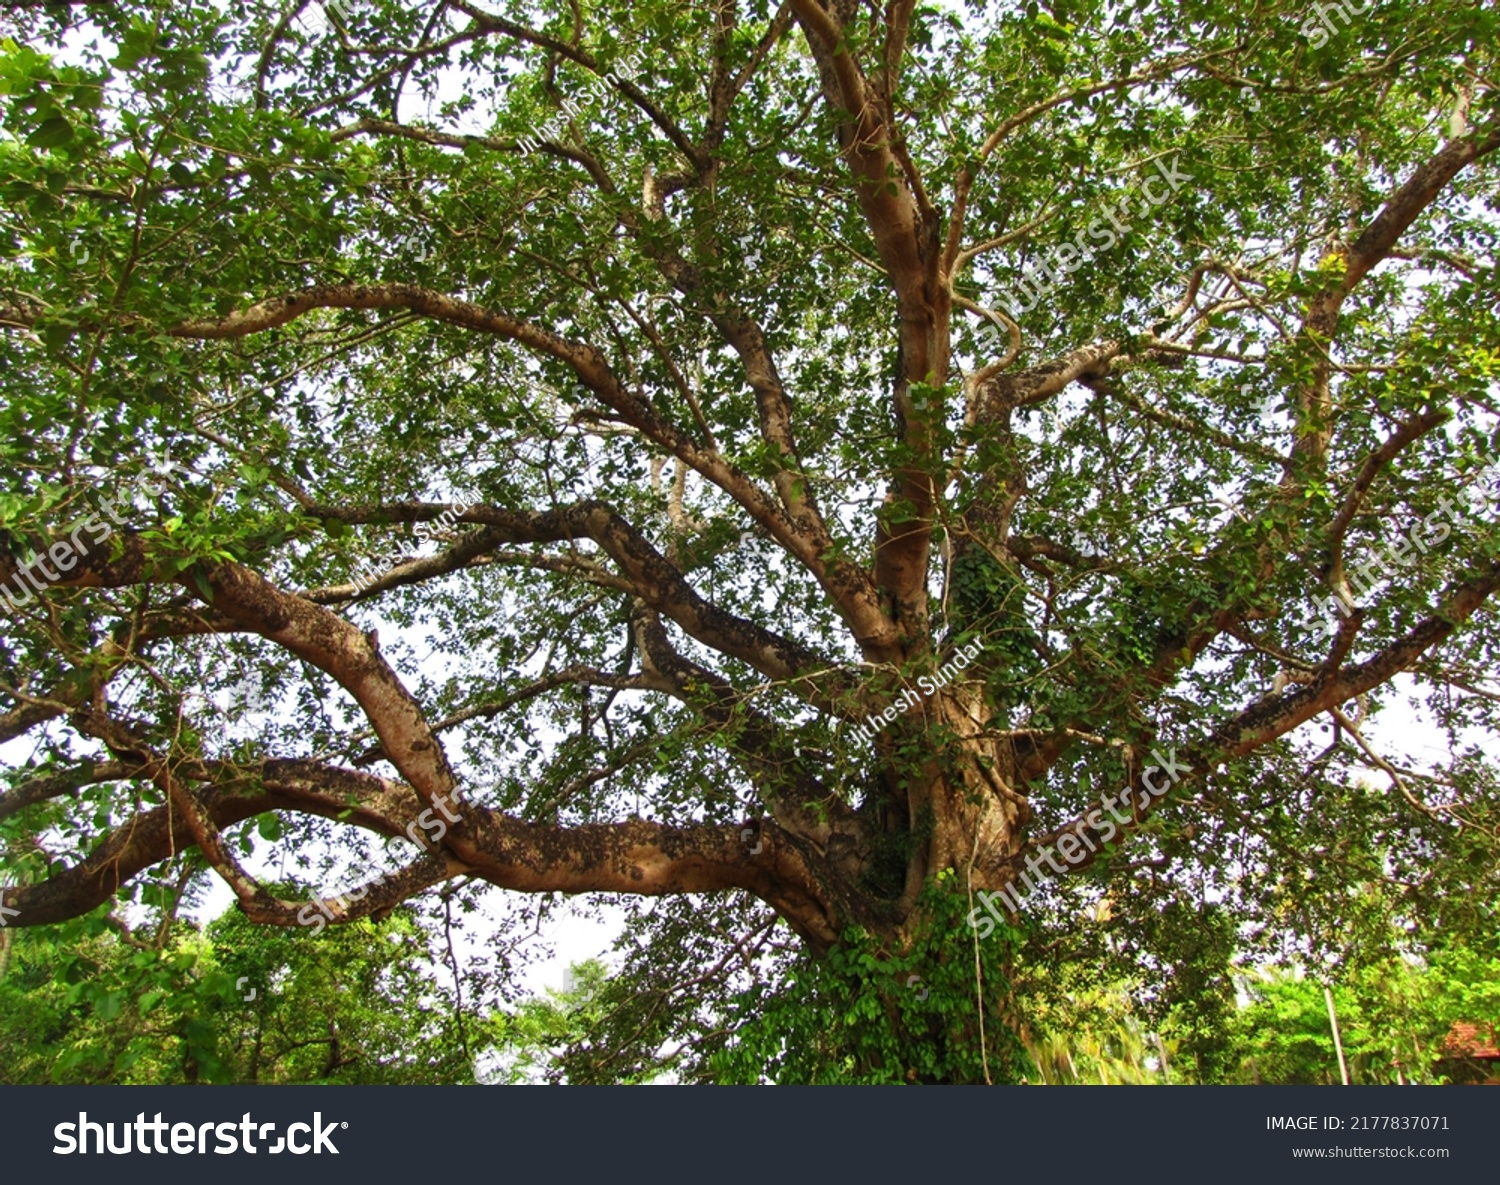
(1272, 716)
(1406, 203)
(804, 538)
(649, 575)
(635, 857)
(1376, 243)
(905, 225)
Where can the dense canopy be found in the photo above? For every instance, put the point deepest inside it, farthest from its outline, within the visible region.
(797, 471)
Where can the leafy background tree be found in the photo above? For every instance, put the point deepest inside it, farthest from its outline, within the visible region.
(708, 306)
(93, 1002)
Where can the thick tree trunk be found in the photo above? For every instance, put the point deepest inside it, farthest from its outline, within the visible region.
(955, 809)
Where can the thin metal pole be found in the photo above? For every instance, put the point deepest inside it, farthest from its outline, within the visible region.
(1338, 1045)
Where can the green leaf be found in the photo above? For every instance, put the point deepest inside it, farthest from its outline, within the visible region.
(53, 133)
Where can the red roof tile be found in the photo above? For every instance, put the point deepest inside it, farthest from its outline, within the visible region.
(1472, 1040)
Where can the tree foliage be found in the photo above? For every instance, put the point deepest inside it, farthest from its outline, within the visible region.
(93, 1002)
(674, 368)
